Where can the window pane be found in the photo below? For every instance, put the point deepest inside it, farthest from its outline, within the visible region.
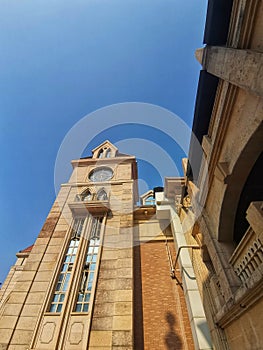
(87, 297)
(58, 286)
(80, 298)
(92, 267)
(66, 282)
(86, 308)
(53, 308)
(67, 259)
(78, 307)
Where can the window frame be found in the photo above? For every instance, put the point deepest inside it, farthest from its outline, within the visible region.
(69, 302)
(95, 271)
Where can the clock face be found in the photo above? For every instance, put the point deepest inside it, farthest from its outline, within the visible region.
(101, 174)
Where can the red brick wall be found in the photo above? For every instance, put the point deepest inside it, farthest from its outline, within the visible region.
(160, 314)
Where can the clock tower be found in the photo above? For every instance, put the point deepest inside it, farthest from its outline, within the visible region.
(75, 288)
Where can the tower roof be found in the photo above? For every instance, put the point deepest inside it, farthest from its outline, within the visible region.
(27, 250)
(105, 144)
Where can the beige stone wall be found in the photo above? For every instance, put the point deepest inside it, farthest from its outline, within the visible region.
(231, 147)
(246, 331)
(121, 166)
(153, 229)
(112, 321)
(19, 313)
(11, 279)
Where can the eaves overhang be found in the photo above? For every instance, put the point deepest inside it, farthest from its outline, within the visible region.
(217, 22)
(205, 98)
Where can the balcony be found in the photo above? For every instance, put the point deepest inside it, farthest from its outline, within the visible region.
(247, 258)
(94, 204)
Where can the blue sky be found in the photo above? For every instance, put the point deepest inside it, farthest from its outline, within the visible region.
(61, 61)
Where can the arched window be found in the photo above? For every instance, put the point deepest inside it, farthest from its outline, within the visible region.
(108, 153)
(100, 153)
(76, 254)
(102, 195)
(88, 272)
(87, 196)
(67, 266)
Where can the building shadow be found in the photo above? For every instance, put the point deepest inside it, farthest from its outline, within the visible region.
(172, 340)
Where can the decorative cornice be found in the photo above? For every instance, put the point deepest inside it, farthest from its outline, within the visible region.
(92, 207)
(102, 161)
(96, 184)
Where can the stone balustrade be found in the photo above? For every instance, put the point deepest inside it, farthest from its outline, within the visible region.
(247, 259)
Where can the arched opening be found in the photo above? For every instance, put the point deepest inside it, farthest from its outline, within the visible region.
(102, 195)
(108, 153)
(84, 196)
(238, 183)
(252, 191)
(100, 153)
(87, 196)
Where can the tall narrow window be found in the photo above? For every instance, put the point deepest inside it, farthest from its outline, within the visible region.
(100, 153)
(66, 270)
(85, 290)
(108, 153)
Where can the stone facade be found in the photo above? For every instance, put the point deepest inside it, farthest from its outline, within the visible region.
(227, 180)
